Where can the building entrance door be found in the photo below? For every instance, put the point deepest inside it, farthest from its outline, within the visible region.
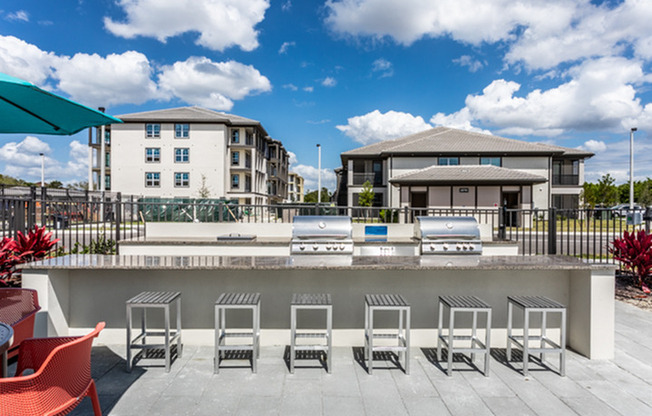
(511, 202)
(419, 200)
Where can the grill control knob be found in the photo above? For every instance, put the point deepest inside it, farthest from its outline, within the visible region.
(445, 247)
(458, 247)
(432, 247)
(342, 246)
(315, 247)
(302, 247)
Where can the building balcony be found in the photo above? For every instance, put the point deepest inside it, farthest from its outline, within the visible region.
(565, 180)
(373, 178)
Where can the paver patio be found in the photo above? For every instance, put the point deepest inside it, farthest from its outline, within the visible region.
(622, 386)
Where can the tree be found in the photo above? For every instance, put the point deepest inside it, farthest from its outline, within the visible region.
(203, 191)
(311, 197)
(55, 184)
(79, 186)
(604, 193)
(366, 196)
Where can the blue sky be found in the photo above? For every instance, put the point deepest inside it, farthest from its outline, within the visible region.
(344, 73)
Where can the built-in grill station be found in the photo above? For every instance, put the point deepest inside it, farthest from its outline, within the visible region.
(448, 235)
(321, 234)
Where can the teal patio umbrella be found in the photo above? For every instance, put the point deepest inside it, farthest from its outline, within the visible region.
(26, 108)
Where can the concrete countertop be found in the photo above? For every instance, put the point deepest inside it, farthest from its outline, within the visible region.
(276, 241)
(325, 262)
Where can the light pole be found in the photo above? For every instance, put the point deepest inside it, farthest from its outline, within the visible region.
(319, 174)
(42, 170)
(631, 167)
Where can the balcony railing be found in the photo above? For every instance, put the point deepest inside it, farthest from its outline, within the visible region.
(565, 179)
(375, 179)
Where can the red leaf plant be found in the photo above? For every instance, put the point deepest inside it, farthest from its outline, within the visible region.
(634, 251)
(23, 249)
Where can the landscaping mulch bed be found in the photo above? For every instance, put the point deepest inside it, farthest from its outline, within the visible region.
(627, 291)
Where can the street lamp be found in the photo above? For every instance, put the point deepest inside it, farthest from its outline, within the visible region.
(42, 169)
(631, 167)
(319, 175)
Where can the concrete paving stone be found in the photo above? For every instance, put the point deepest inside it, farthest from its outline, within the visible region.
(562, 387)
(459, 397)
(512, 406)
(225, 404)
(416, 384)
(340, 406)
(589, 406)
(301, 404)
(259, 406)
(487, 386)
(426, 406)
(175, 405)
(343, 383)
(617, 398)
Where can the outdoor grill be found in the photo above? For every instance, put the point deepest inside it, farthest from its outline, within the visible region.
(320, 234)
(448, 235)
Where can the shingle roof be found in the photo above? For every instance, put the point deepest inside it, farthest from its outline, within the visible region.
(468, 174)
(445, 140)
(187, 114)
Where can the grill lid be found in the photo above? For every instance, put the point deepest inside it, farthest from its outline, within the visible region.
(447, 228)
(321, 227)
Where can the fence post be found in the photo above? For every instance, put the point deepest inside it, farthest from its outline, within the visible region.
(31, 209)
(118, 215)
(502, 227)
(647, 217)
(552, 230)
(405, 214)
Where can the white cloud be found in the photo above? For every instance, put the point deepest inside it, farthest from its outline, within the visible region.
(26, 61)
(308, 89)
(77, 166)
(292, 158)
(459, 120)
(18, 15)
(600, 95)
(310, 175)
(25, 153)
(284, 47)
(290, 87)
(539, 34)
(286, 6)
(376, 126)
(467, 60)
(594, 146)
(614, 160)
(203, 82)
(383, 67)
(220, 23)
(105, 81)
(329, 82)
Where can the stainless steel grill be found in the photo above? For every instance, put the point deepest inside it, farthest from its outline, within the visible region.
(448, 235)
(321, 234)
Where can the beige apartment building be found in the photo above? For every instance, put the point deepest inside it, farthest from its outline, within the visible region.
(449, 168)
(187, 152)
(295, 187)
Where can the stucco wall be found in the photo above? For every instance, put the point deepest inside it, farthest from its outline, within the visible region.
(207, 156)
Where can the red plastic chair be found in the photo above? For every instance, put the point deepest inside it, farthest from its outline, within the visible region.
(18, 308)
(61, 380)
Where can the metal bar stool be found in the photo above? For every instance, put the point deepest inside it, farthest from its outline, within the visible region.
(396, 303)
(228, 301)
(148, 300)
(530, 304)
(311, 301)
(466, 304)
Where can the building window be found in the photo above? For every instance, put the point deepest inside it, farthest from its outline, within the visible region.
(107, 182)
(235, 136)
(153, 130)
(153, 154)
(181, 131)
(449, 161)
(235, 181)
(235, 158)
(107, 160)
(181, 179)
(152, 179)
(495, 161)
(181, 155)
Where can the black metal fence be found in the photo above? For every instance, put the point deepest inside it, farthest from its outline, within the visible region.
(81, 220)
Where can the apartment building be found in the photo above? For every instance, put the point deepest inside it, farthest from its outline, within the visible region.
(188, 152)
(295, 187)
(449, 168)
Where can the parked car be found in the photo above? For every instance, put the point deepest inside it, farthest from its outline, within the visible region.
(621, 210)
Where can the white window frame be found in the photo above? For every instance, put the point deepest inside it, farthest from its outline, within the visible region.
(183, 128)
(155, 158)
(154, 181)
(235, 184)
(155, 132)
(179, 155)
(181, 179)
